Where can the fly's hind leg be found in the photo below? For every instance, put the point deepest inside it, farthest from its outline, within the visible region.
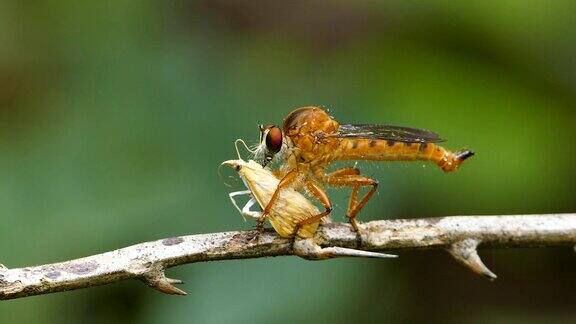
(350, 177)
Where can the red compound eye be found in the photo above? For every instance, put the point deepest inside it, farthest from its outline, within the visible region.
(274, 139)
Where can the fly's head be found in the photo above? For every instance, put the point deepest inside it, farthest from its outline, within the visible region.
(272, 144)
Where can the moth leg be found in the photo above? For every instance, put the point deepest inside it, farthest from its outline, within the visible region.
(286, 181)
(315, 190)
(355, 181)
(245, 211)
(255, 214)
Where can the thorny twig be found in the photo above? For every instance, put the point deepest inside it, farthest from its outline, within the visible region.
(459, 235)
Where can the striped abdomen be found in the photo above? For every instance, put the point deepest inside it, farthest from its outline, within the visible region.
(383, 150)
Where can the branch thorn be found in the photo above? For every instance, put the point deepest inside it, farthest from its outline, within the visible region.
(310, 250)
(466, 253)
(160, 282)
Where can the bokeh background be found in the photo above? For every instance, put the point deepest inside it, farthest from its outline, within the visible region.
(114, 116)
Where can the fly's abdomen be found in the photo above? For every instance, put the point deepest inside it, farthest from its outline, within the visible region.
(386, 150)
(383, 150)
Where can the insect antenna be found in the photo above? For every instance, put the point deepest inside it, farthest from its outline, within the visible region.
(239, 158)
(239, 140)
(225, 180)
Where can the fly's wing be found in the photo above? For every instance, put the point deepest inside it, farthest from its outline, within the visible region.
(387, 132)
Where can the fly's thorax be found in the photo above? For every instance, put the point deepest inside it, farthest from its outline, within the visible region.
(312, 148)
(306, 128)
(307, 120)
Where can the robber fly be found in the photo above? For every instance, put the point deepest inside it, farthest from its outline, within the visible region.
(310, 140)
(292, 213)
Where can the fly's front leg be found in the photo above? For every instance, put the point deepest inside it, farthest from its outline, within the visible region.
(286, 181)
(315, 190)
(346, 178)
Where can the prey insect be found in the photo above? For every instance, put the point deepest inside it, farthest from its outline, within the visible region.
(310, 139)
(292, 213)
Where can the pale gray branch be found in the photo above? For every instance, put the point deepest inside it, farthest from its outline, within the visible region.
(460, 235)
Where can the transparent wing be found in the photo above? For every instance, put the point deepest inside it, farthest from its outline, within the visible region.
(387, 132)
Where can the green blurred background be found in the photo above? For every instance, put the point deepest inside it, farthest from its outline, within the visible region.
(114, 116)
